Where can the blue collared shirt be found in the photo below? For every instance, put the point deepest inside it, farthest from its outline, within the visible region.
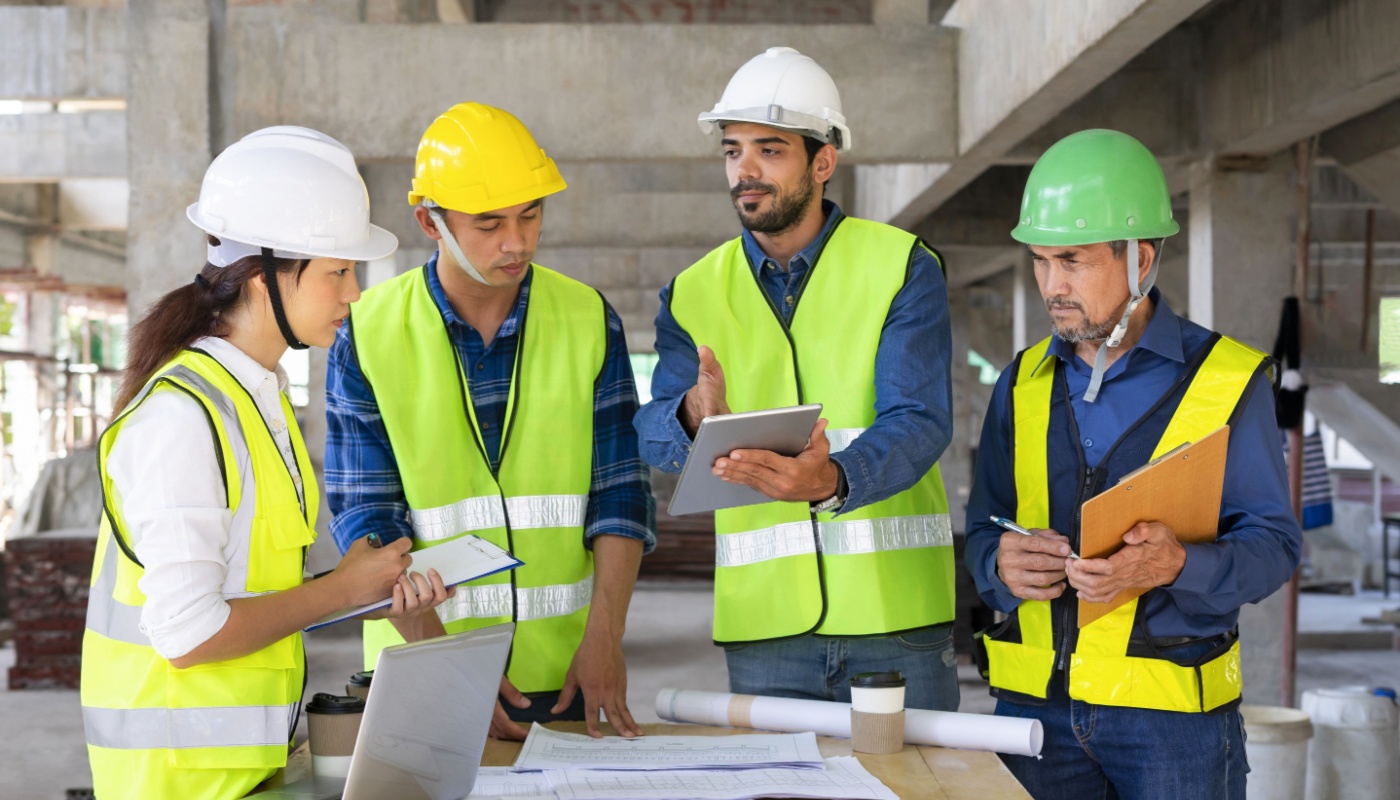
(1253, 555)
(913, 390)
(363, 485)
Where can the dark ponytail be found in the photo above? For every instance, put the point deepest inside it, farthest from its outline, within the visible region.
(184, 316)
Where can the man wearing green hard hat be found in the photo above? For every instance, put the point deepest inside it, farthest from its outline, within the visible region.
(1143, 701)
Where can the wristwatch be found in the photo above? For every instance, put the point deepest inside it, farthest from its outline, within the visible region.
(835, 500)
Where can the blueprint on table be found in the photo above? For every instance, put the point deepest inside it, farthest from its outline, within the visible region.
(547, 749)
(843, 778)
(492, 782)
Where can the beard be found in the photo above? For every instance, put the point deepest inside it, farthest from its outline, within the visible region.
(786, 211)
(1085, 330)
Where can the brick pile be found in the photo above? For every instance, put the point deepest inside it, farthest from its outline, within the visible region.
(47, 579)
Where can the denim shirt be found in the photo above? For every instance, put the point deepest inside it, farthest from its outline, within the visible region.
(913, 388)
(1259, 543)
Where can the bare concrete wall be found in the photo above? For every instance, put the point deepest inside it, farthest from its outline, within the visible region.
(52, 53)
(597, 92)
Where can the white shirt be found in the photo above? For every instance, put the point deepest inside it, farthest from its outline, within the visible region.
(166, 473)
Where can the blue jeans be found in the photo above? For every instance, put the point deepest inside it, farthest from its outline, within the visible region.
(1109, 752)
(820, 667)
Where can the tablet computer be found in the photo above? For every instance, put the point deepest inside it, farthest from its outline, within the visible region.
(782, 430)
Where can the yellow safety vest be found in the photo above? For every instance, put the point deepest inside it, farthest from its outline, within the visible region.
(213, 731)
(535, 506)
(780, 570)
(1100, 669)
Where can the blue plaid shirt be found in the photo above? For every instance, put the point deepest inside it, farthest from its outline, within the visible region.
(363, 485)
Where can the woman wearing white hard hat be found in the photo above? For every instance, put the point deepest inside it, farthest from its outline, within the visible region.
(193, 665)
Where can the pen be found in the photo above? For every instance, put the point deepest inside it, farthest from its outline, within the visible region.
(1014, 528)
(374, 540)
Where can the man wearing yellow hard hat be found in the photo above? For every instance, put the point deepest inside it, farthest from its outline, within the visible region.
(484, 394)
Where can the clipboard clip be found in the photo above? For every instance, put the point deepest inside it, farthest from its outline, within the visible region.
(1154, 462)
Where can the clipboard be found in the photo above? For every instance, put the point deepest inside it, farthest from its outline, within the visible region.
(1180, 489)
(458, 561)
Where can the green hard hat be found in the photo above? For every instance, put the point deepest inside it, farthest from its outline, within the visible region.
(1095, 186)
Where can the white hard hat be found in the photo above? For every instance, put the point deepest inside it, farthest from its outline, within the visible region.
(290, 189)
(783, 89)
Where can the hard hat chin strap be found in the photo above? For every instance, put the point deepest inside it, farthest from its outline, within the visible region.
(274, 293)
(452, 246)
(1139, 292)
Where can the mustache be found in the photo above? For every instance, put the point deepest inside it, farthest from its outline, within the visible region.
(1063, 301)
(751, 185)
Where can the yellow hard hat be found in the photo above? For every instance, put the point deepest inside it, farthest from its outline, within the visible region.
(476, 158)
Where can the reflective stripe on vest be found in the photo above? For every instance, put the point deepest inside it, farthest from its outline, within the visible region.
(108, 616)
(838, 539)
(536, 504)
(493, 600)
(176, 728)
(776, 564)
(1100, 670)
(150, 727)
(480, 513)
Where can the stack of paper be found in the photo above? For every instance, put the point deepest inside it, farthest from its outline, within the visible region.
(572, 766)
(547, 749)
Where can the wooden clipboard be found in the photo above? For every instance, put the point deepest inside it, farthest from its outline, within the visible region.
(1181, 489)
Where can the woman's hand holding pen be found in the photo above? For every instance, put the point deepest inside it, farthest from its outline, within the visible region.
(368, 573)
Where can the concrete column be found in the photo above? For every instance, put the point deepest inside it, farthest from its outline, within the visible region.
(168, 132)
(1241, 267)
(1242, 246)
(956, 463)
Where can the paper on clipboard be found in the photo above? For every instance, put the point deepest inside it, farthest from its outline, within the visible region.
(457, 561)
(1181, 490)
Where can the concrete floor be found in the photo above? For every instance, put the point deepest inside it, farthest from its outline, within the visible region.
(668, 644)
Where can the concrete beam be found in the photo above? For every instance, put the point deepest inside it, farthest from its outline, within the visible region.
(56, 53)
(969, 264)
(1010, 83)
(349, 81)
(1153, 98)
(1279, 71)
(1368, 150)
(41, 148)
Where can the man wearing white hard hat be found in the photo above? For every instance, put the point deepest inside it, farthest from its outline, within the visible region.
(193, 666)
(850, 568)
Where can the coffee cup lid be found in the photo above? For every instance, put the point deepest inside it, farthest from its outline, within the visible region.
(877, 680)
(325, 703)
(362, 678)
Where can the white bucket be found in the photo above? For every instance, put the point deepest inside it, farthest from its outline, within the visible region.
(1355, 751)
(1276, 744)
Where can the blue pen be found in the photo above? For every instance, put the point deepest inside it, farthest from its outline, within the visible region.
(374, 540)
(1014, 528)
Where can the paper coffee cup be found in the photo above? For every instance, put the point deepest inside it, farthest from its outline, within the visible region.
(877, 692)
(359, 684)
(877, 713)
(333, 724)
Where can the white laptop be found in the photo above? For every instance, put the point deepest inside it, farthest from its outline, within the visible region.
(425, 723)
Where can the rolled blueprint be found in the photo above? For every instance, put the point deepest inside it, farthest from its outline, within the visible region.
(1022, 737)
